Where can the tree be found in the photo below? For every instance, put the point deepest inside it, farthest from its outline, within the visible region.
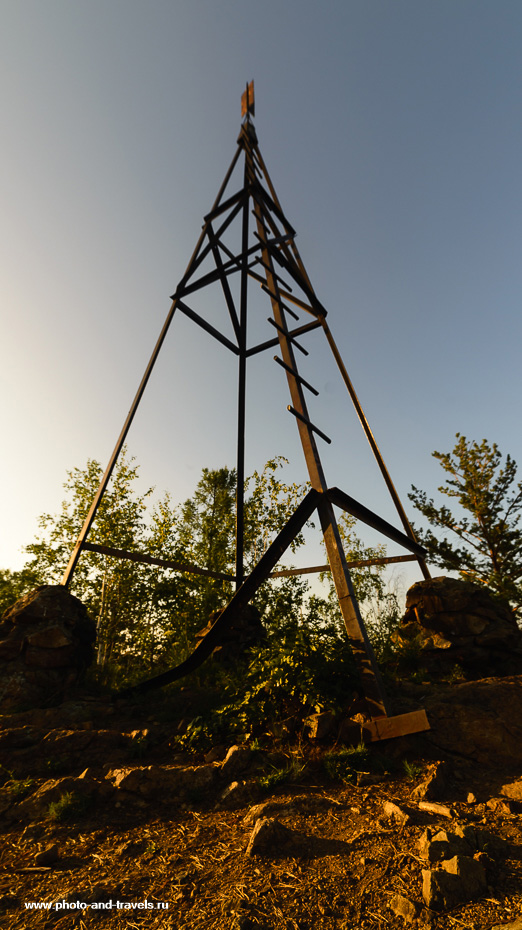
(487, 521)
(14, 585)
(114, 591)
(147, 616)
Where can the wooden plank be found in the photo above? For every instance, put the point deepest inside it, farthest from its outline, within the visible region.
(391, 727)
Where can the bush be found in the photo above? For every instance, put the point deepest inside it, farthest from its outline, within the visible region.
(299, 669)
(68, 807)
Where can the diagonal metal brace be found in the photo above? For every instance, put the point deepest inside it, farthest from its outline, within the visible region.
(350, 505)
(241, 598)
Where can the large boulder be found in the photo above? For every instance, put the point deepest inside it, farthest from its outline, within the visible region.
(46, 643)
(454, 622)
(479, 720)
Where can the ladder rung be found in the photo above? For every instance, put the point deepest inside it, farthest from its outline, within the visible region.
(287, 335)
(296, 375)
(274, 296)
(310, 425)
(279, 240)
(275, 274)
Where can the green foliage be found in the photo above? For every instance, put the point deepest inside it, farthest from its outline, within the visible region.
(18, 787)
(283, 775)
(57, 765)
(13, 585)
(304, 666)
(138, 747)
(346, 763)
(367, 583)
(147, 616)
(269, 504)
(411, 769)
(68, 807)
(405, 661)
(486, 522)
(114, 591)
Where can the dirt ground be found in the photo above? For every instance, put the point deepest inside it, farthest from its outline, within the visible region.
(187, 864)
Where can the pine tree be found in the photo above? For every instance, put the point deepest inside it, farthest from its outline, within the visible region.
(487, 520)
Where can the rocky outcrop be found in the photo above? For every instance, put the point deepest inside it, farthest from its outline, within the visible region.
(46, 642)
(479, 720)
(453, 622)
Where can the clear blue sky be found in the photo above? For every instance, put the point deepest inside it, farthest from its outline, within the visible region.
(393, 135)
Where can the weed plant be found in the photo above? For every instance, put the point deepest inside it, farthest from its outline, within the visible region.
(280, 776)
(68, 807)
(346, 763)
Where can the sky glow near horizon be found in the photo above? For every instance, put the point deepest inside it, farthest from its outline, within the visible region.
(392, 133)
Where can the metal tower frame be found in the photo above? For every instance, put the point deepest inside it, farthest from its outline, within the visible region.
(269, 256)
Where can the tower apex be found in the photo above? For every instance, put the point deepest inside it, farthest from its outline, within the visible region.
(248, 106)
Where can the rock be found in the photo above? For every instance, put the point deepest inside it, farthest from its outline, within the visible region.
(46, 644)
(236, 760)
(320, 726)
(267, 836)
(434, 784)
(396, 813)
(231, 794)
(216, 754)
(463, 841)
(442, 845)
(266, 808)
(237, 794)
(440, 810)
(39, 748)
(471, 798)
(154, 782)
(513, 790)
(484, 840)
(502, 806)
(481, 720)
(47, 856)
(405, 908)
(455, 622)
(354, 730)
(36, 806)
(459, 879)
(512, 925)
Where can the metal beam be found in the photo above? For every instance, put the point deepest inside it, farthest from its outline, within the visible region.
(152, 560)
(374, 447)
(211, 330)
(358, 563)
(350, 505)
